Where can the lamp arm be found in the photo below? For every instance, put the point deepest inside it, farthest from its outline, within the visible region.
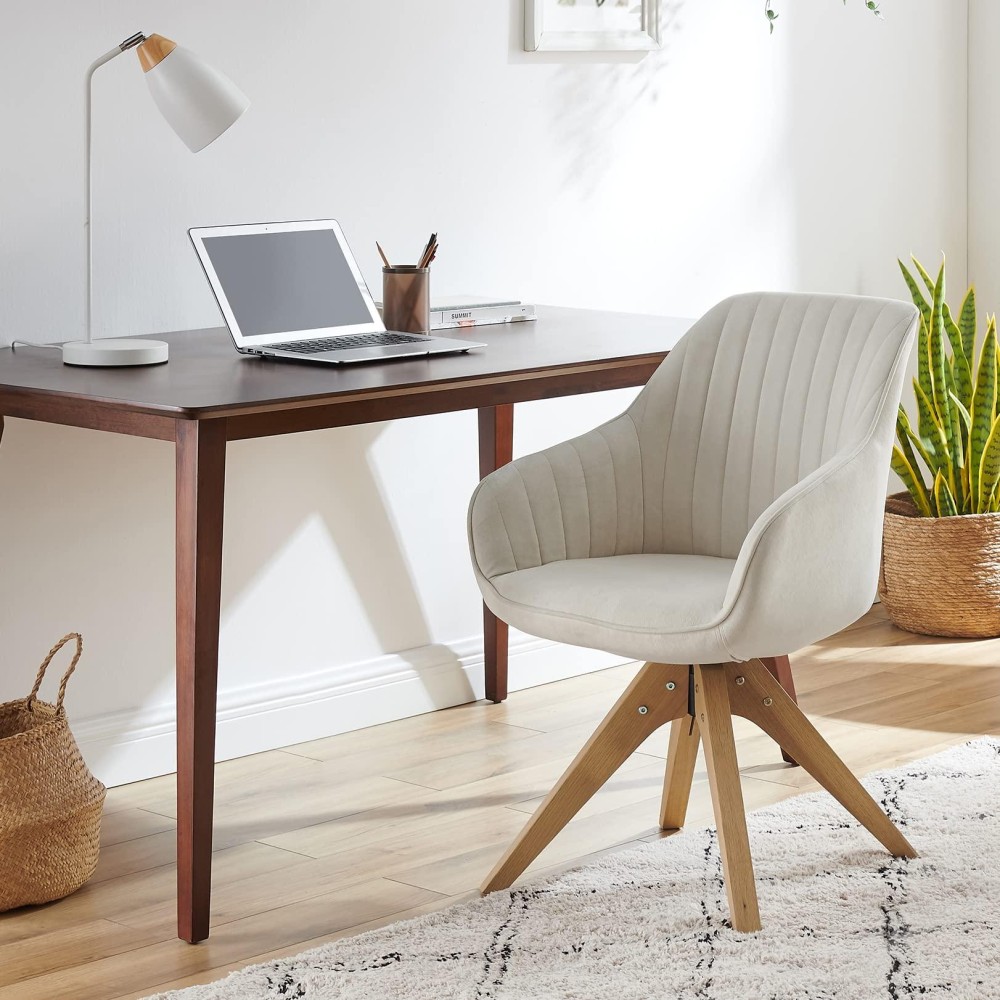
(129, 43)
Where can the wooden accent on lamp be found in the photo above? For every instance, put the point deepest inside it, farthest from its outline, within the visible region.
(153, 51)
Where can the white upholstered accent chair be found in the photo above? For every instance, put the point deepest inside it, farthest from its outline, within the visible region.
(732, 513)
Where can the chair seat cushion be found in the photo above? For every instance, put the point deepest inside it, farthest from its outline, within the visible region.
(665, 608)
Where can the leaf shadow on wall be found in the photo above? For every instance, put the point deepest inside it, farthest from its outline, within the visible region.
(593, 91)
(857, 202)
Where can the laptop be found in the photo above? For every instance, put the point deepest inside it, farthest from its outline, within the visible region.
(293, 290)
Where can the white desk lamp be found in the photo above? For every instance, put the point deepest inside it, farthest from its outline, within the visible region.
(200, 104)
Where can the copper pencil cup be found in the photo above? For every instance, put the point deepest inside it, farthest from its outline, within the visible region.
(406, 298)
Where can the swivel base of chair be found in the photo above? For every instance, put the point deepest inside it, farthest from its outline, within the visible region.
(699, 702)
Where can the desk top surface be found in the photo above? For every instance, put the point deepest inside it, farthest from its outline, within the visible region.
(205, 372)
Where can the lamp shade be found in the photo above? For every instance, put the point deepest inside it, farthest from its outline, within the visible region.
(197, 100)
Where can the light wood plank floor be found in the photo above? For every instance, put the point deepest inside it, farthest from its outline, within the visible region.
(329, 838)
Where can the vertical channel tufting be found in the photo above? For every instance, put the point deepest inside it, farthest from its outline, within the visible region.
(641, 491)
(759, 394)
(850, 392)
(816, 394)
(698, 464)
(536, 558)
(728, 461)
(861, 409)
(875, 351)
(840, 391)
(778, 446)
(558, 511)
(586, 495)
(556, 507)
(762, 391)
(759, 491)
(813, 326)
(708, 504)
(805, 454)
(659, 440)
(737, 499)
(866, 365)
(612, 496)
(822, 405)
(734, 491)
(505, 534)
(805, 382)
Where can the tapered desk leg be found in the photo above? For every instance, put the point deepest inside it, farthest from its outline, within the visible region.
(496, 448)
(781, 670)
(201, 474)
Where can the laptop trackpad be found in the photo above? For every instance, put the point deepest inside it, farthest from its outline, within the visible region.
(414, 350)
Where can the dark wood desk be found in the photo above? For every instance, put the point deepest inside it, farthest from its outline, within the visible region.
(208, 395)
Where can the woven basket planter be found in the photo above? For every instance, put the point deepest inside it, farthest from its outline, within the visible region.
(50, 803)
(941, 575)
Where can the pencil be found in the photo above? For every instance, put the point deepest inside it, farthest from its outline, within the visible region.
(427, 250)
(381, 253)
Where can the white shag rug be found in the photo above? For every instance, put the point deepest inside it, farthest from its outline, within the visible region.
(841, 918)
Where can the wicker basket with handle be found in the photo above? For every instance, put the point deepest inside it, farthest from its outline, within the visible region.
(941, 575)
(50, 803)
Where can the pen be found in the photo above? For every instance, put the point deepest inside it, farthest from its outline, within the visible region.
(428, 255)
(425, 256)
(381, 253)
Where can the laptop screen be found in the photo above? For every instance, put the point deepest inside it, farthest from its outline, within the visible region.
(292, 283)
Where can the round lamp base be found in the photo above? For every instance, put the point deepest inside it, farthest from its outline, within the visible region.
(115, 353)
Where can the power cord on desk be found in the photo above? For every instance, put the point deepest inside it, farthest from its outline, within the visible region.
(15, 344)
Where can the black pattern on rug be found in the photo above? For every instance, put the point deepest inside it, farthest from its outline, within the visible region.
(712, 908)
(842, 921)
(498, 955)
(894, 925)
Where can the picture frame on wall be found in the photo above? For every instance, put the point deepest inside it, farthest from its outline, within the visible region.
(591, 25)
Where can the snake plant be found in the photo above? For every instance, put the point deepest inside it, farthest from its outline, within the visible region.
(950, 462)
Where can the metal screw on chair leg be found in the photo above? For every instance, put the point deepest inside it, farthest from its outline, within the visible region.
(671, 685)
(740, 681)
(702, 716)
(768, 702)
(643, 709)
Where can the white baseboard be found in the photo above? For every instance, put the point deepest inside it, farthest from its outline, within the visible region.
(129, 746)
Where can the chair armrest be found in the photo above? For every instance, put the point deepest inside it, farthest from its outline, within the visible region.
(578, 499)
(809, 565)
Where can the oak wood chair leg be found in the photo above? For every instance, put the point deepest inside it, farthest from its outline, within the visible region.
(646, 705)
(716, 724)
(781, 670)
(201, 471)
(496, 448)
(682, 752)
(762, 700)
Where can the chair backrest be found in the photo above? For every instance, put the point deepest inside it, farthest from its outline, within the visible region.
(760, 392)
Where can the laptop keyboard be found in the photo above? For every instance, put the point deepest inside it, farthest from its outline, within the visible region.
(348, 343)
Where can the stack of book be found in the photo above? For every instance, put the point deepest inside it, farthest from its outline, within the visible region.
(476, 310)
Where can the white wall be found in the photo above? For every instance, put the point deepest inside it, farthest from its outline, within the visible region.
(727, 161)
(984, 154)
